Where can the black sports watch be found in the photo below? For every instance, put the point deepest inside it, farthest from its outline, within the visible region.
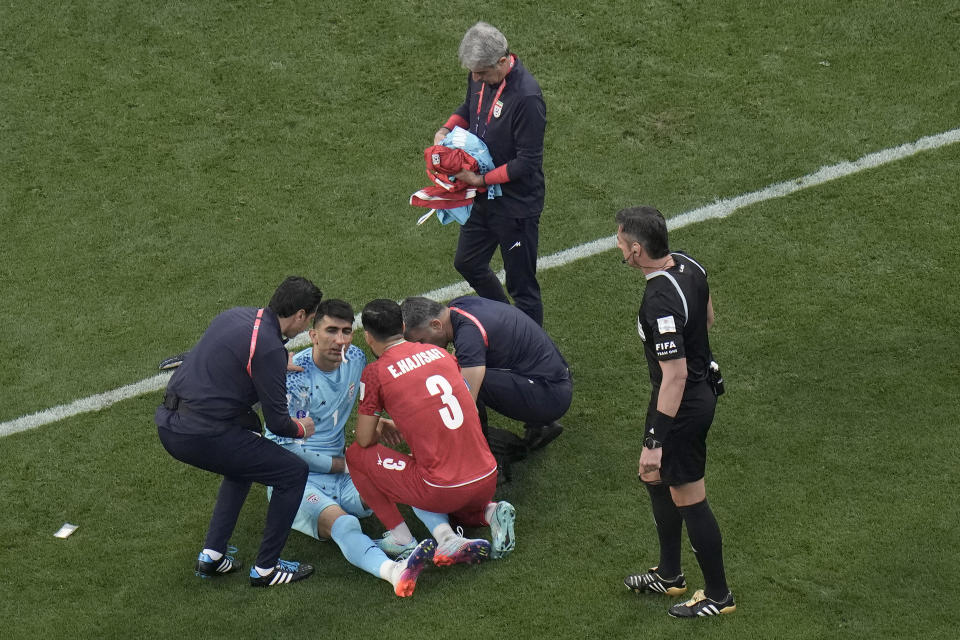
(652, 443)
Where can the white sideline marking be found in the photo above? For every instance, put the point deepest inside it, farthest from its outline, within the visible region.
(718, 209)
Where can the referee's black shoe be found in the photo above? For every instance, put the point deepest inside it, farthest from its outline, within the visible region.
(700, 606)
(653, 582)
(207, 567)
(537, 436)
(284, 573)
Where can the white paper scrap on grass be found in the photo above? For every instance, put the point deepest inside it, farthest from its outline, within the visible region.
(718, 209)
(66, 530)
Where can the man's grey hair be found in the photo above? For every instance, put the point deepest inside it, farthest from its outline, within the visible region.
(419, 311)
(482, 46)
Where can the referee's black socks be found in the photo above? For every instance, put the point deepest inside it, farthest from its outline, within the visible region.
(669, 526)
(704, 533)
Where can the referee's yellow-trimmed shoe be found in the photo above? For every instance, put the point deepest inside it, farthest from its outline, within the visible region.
(653, 582)
(700, 606)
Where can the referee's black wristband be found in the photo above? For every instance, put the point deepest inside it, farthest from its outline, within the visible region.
(662, 425)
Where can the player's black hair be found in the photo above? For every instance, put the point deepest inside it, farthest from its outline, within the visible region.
(382, 319)
(334, 308)
(293, 294)
(419, 311)
(647, 226)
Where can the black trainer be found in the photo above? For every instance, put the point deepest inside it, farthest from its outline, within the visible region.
(284, 573)
(653, 582)
(537, 436)
(207, 567)
(700, 606)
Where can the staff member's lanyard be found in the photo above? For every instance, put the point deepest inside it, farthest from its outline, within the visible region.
(483, 332)
(483, 85)
(253, 341)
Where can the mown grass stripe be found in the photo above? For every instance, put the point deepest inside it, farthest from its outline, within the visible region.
(718, 209)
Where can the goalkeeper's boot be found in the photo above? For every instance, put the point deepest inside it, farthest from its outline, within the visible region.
(701, 606)
(501, 530)
(394, 549)
(207, 567)
(284, 573)
(460, 550)
(653, 582)
(411, 567)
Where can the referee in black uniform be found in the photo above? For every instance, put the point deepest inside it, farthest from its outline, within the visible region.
(674, 317)
(206, 420)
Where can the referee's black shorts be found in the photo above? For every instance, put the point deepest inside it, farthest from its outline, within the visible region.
(685, 450)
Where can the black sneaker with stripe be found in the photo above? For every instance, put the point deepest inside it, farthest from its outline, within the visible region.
(701, 606)
(207, 567)
(653, 582)
(284, 573)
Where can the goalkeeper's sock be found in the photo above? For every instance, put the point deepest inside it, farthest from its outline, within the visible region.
(357, 547)
(669, 527)
(707, 543)
(432, 520)
(437, 523)
(214, 555)
(390, 571)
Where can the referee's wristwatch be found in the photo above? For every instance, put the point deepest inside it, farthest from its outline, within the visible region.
(652, 443)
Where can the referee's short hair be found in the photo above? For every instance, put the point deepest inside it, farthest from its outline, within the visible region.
(382, 319)
(647, 226)
(419, 311)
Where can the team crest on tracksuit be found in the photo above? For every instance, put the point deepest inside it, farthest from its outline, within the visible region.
(498, 109)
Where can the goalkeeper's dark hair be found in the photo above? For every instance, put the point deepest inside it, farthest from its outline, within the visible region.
(382, 319)
(647, 226)
(419, 311)
(334, 308)
(293, 294)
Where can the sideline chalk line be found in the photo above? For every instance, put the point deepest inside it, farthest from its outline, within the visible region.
(718, 209)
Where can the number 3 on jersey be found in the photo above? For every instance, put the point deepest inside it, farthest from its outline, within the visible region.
(450, 413)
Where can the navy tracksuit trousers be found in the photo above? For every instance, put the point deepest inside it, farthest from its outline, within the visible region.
(517, 239)
(243, 457)
(514, 395)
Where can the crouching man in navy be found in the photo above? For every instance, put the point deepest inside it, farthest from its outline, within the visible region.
(207, 420)
(509, 362)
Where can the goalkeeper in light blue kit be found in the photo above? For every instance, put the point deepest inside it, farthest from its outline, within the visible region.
(326, 390)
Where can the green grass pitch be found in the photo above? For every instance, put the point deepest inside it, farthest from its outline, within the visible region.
(162, 161)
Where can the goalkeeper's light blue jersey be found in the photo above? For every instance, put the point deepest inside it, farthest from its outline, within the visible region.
(327, 397)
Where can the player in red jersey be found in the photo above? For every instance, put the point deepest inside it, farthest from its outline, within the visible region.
(450, 469)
